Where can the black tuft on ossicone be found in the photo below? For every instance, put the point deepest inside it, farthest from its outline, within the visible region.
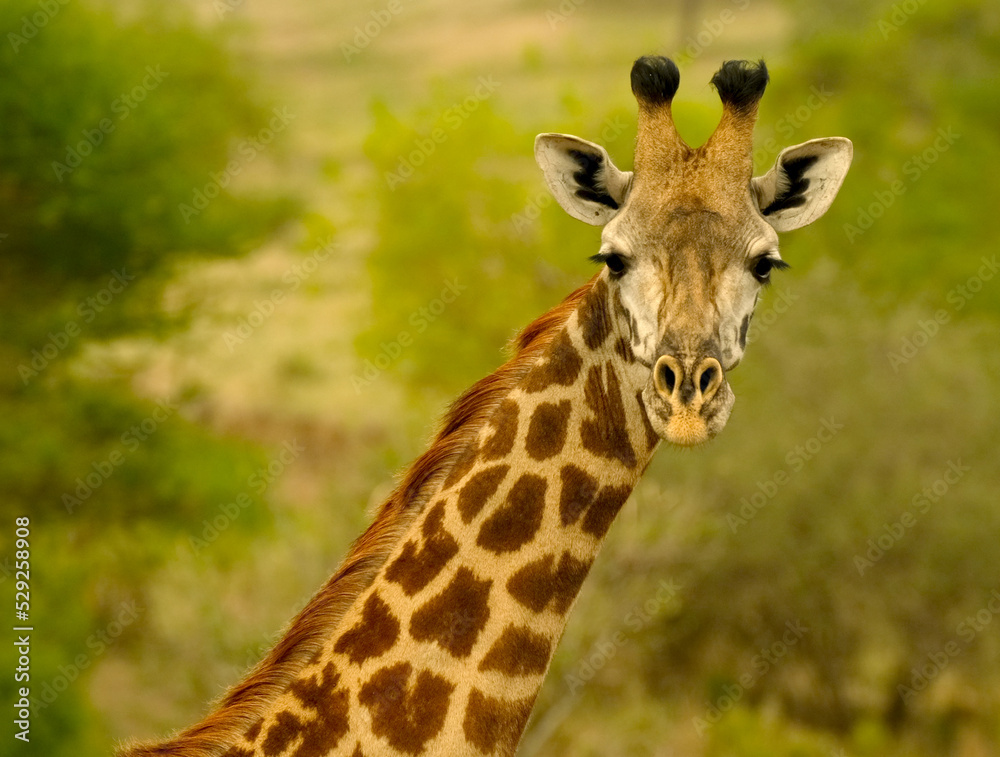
(741, 83)
(655, 79)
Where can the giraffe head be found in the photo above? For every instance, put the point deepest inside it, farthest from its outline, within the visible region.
(690, 237)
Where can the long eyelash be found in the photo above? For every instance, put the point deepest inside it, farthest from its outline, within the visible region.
(777, 264)
(600, 258)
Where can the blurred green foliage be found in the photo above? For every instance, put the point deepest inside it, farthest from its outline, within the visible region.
(913, 84)
(477, 231)
(110, 126)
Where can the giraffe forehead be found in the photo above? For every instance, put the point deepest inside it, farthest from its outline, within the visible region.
(715, 176)
(685, 239)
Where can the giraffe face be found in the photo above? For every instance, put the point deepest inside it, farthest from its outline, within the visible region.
(685, 280)
(690, 238)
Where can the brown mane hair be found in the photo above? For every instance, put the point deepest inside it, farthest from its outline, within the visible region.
(245, 703)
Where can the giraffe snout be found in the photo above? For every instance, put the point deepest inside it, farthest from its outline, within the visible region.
(688, 386)
(688, 401)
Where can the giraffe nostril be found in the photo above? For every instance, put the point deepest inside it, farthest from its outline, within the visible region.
(668, 378)
(707, 376)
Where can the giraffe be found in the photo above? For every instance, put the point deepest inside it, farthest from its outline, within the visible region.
(435, 634)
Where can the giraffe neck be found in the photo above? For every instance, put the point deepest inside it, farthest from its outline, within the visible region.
(445, 651)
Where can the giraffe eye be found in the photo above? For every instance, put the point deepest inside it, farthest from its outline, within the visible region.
(762, 267)
(616, 263)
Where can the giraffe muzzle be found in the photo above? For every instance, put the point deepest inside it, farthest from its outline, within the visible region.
(689, 400)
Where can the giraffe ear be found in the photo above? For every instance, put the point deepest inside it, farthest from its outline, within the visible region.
(804, 181)
(582, 177)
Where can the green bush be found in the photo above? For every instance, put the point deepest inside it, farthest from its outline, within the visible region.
(463, 215)
(111, 127)
(911, 85)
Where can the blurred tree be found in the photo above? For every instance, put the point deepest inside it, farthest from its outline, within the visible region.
(120, 141)
(471, 246)
(913, 84)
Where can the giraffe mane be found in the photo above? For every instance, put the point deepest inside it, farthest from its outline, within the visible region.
(245, 703)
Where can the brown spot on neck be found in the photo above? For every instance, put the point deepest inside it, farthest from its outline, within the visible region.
(605, 433)
(320, 735)
(405, 714)
(374, 634)
(479, 489)
(581, 495)
(518, 652)
(538, 584)
(594, 316)
(494, 726)
(516, 522)
(417, 566)
(455, 617)
(547, 430)
(601, 513)
(504, 423)
(578, 490)
(561, 367)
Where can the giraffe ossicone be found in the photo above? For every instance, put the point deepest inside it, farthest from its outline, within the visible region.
(434, 635)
